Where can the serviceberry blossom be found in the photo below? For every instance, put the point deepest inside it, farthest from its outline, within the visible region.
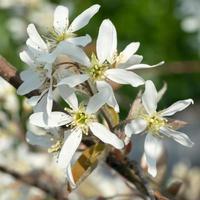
(156, 125)
(79, 121)
(45, 75)
(58, 64)
(108, 65)
(63, 31)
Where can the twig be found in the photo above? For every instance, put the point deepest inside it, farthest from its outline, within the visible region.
(33, 180)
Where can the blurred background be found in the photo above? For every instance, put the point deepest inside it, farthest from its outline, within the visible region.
(167, 30)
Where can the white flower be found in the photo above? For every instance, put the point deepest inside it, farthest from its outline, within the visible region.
(156, 125)
(79, 120)
(44, 75)
(109, 66)
(63, 31)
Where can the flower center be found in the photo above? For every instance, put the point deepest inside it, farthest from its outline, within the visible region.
(155, 122)
(63, 36)
(97, 70)
(53, 38)
(81, 119)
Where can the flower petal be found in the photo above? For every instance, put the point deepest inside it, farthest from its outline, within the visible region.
(176, 107)
(126, 54)
(144, 66)
(74, 52)
(124, 77)
(26, 58)
(49, 104)
(35, 38)
(161, 92)
(61, 20)
(83, 19)
(152, 149)
(39, 140)
(135, 127)
(56, 119)
(24, 75)
(106, 90)
(179, 137)
(80, 41)
(106, 41)
(69, 148)
(105, 135)
(96, 102)
(70, 177)
(74, 80)
(149, 97)
(31, 83)
(35, 99)
(69, 96)
(133, 60)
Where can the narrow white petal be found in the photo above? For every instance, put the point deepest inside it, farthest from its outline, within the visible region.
(49, 104)
(69, 96)
(144, 66)
(105, 89)
(96, 102)
(161, 92)
(135, 127)
(126, 54)
(70, 177)
(83, 19)
(35, 37)
(176, 107)
(39, 140)
(24, 75)
(56, 119)
(152, 147)
(133, 60)
(106, 41)
(69, 148)
(74, 80)
(179, 137)
(74, 52)
(26, 58)
(149, 97)
(80, 41)
(61, 20)
(42, 103)
(32, 82)
(124, 77)
(105, 135)
(35, 99)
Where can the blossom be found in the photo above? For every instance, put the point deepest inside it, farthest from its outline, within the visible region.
(156, 125)
(79, 121)
(62, 30)
(108, 65)
(43, 75)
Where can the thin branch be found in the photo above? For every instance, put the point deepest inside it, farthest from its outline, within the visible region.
(36, 180)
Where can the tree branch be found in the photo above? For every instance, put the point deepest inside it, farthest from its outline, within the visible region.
(37, 180)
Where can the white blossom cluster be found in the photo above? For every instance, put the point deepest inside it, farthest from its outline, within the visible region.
(48, 76)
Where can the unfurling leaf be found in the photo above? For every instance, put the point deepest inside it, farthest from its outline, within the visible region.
(176, 124)
(114, 116)
(87, 162)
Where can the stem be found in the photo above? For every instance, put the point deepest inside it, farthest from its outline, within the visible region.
(34, 181)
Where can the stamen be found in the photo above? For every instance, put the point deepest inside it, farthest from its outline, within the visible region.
(155, 122)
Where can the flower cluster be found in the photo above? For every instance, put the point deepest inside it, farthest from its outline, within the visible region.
(59, 66)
